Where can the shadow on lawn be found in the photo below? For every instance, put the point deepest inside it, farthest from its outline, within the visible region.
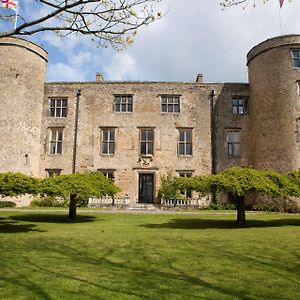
(9, 226)
(222, 224)
(52, 218)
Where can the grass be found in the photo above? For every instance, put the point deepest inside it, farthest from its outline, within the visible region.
(148, 256)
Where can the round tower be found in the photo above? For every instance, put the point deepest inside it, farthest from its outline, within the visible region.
(22, 77)
(274, 77)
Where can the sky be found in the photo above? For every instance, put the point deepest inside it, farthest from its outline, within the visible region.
(194, 36)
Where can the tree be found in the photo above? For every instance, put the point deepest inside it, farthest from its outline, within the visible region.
(107, 22)
(78, 186)
(245, 3)
(239, 182)
(17, 184)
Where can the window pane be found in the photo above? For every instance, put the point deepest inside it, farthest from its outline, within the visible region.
(59, 135)
(111, 148)
(52, 112)
(234, 110)
(150, 148)
(150, 135)
(176, 108)
(64, 112)
(170, 107)
(188, 149)
(104, 135)
(104, 148)
(130, 107)
(112, 134)
(188, 135)
(143, 148)
(164, 108)
(117, 107)
(181, 149)
(236, 149)
(59, 147)
(57, 112)
(143, 135)
(123, 107)
(181, 135)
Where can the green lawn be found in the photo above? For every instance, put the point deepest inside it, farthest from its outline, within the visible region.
(148, 256)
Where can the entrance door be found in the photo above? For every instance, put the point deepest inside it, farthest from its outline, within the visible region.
(146, 184)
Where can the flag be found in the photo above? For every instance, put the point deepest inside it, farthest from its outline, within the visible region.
(9, 4)
(281, 2)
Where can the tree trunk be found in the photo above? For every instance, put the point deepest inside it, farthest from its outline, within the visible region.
(72, 207)
(241, 211)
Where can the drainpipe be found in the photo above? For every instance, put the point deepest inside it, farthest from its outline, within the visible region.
(213, 139)
(212, 132)
(76, 132)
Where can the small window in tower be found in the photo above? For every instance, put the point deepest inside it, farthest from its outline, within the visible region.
(296, 58)
(298, 130)
(58, 107)
(240, 106)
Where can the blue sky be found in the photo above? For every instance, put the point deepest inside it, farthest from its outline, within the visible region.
(195, 36)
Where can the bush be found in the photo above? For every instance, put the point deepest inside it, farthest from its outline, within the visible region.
(7, 204)
(48, 202)
(220, 206)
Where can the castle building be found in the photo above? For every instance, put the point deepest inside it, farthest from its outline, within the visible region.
(136, 132)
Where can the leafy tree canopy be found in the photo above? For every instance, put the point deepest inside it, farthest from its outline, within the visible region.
(17, 184)
(83, 185)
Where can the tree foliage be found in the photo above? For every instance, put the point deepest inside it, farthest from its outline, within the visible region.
(17, 184)
(83, 185)
(238, 182)
(107, 22)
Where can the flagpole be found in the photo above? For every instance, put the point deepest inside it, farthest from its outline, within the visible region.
(280, 20)
(17, 12)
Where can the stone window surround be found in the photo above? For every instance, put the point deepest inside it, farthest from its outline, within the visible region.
(109, 142)
(233, 143)
(146, 138)
(170, 103)
(123, 103)
(53, 172)
(109, 173)
(58, 107)
(295, 53)
(185, 142)
(240, 105)
(55, 135)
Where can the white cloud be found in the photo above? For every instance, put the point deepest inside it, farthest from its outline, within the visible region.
(64, 72)
(121, 67)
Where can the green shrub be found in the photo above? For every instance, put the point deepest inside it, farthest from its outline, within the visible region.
(48, 202)
(220, 206)
(7, 204)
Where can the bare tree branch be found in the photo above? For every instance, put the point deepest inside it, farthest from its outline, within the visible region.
(113, 21)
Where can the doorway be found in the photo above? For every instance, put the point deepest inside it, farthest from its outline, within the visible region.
(146, 188)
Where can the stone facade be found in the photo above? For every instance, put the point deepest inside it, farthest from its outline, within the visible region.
(186, 128)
